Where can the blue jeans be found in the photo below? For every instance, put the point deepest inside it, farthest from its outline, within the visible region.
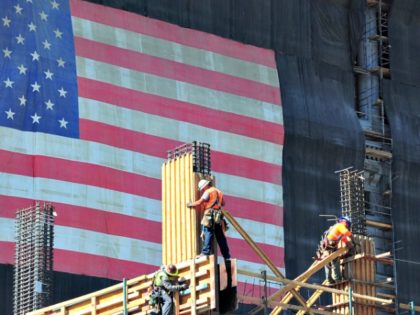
(220, 237)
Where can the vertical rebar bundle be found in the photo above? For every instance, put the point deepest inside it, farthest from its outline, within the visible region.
(352, 198)
(200, 154)
(33, 272)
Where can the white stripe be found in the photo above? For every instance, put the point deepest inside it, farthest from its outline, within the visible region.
(36, 143)
(111, 246)
(7, 230)
(250, 188)
(180, 131)
(111, 201)
(178, 90)
(99, 154)
(175, 52)
(260, 232)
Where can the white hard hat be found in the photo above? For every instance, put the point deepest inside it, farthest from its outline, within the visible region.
(202, 183)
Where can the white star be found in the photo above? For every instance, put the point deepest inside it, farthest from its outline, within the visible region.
(61, 62)
(18, 9)
(62, 92)
(49, 104)
(8, 83)
(9, 114)
(20, 39)
(48, 74)
(63, 123)
(35, 56)
(55, 4)
(7, 53)
(22, 69)
(43, 15)
(35, 118)
(46, 44)
(22, 100)
(35, 87)
(6, 21)
(32, 27)
(57, 33)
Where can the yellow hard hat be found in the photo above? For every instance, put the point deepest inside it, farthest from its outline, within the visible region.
(171, 270)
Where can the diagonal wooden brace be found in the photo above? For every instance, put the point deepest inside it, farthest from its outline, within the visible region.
(261, 254)
(287, 290)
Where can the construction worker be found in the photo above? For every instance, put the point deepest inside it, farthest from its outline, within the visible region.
(165, 283)
(339, 232)
(212, 222)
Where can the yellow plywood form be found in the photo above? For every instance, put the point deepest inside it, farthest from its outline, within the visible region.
(180, 230)
(361, 271)
(201, 295)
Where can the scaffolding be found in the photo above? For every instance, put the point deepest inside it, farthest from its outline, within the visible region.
(33, 271)
(372, 69)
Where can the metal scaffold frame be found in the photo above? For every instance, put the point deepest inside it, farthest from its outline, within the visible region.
(33, 270)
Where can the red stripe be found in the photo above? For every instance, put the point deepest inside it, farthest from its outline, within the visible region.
(254, 210)
(78, 172)
(177, 71)
(181, 111)
(147, 26)
(158, 146)
(241, 250)
(255, 288)
(7, 253)
(81, 218)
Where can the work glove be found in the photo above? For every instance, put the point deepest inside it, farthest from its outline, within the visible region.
(189, 204)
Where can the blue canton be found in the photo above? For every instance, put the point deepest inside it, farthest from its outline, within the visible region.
(38, 86)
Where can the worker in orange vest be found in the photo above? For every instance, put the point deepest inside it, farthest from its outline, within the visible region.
(212, 222)
(339, 232)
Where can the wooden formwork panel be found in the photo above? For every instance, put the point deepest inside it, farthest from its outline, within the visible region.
(361, 273)
(180, 225)
(199, 298)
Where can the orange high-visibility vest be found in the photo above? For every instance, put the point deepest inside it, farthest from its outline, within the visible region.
(215, 199)
(337, 232)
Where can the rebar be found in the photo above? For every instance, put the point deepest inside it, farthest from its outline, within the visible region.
(33, 270)
(352, 198)
(200, 154)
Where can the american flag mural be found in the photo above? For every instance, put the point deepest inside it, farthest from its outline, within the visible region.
(91, 99)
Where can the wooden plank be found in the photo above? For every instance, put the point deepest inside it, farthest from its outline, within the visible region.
(110, 300)
(260, 253)
(255, 300)
(407, 307)
(193, 288)
(164, 207)
(312, 299)
(189, 232)
(314, 286)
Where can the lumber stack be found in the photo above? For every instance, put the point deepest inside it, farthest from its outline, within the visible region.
(132, 295)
